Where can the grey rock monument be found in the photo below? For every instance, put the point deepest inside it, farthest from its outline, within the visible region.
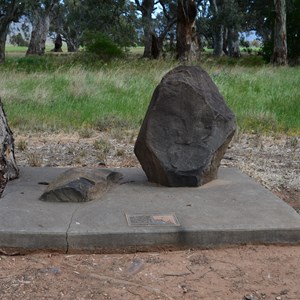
(186, 130)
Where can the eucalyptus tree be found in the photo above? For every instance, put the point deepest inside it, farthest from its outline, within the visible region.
(10, 11)
(157, 20)
(164, 24)
(39, 13)
(233, 23)
(216, 7)
(279, 56)
(68, 22)
(113, 18)
(276, 22)
(146, 8)
(293, 31)
(187, 43)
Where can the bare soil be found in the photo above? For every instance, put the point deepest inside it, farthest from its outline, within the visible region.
(246, 272)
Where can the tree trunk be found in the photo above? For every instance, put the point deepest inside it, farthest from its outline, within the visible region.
(8, 166)
(3, 35)
(218, 28)
(218, 40)
(187, 46)
(225, 41)
(71, 45)
(233, 43)
(279, 56)
(172, 43)
(158, 41)
(147, 8)
(39, 33)
(71, 38)
(58, 44)
(147, 42)
(10, 12)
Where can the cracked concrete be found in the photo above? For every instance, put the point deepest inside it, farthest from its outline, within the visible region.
(231, 210)
(67, 232)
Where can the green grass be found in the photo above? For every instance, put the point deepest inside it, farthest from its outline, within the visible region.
(62, 93)
(115, 95)
(264, 99)
(17, 51)
(12, 48)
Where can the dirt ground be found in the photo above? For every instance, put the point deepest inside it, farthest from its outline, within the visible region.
(248, 272)
(251, 272)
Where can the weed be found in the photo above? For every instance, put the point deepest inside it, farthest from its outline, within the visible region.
(34, 160)
(71, 150)
(82, 153)
(106, 123)
(120, 152)
(292, 142)
(22, 145)
(117, 134)
(102, 145)
(101, 157)
(77, 160)
(85, 133)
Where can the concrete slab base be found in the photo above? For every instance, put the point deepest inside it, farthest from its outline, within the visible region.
(139, 216)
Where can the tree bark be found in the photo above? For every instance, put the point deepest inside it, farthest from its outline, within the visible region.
(218, 40)
(218, 28)
(147, 8)
(40, 29)
(8, 166)
(279, 56)
(157, 41)
(3, 35)
(8, 13)
(225, 41)
(71, 38)
(233, 43)
(187, 46)
(72, 47)
(58, 44)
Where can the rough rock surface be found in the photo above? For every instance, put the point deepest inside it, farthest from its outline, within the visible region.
(186, 130)
(80, 185)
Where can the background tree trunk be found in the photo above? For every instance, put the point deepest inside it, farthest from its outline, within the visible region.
(3, 35)
(218, 40)
(147, 8)
(233, 43)
(225, 41)
(187, 46)
(8, 166)
(279, 56)
(9, 11)
(218, 28)
(72, 47)
(58, 44)
(39, 33)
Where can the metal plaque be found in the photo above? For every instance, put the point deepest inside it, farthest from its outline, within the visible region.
(169, 219)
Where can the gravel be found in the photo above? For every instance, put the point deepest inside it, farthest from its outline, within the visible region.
(273, 161)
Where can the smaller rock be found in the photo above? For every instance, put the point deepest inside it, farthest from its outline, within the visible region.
(81, 185)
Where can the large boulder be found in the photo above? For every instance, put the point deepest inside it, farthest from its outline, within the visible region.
(81, 185)
(186, 130)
